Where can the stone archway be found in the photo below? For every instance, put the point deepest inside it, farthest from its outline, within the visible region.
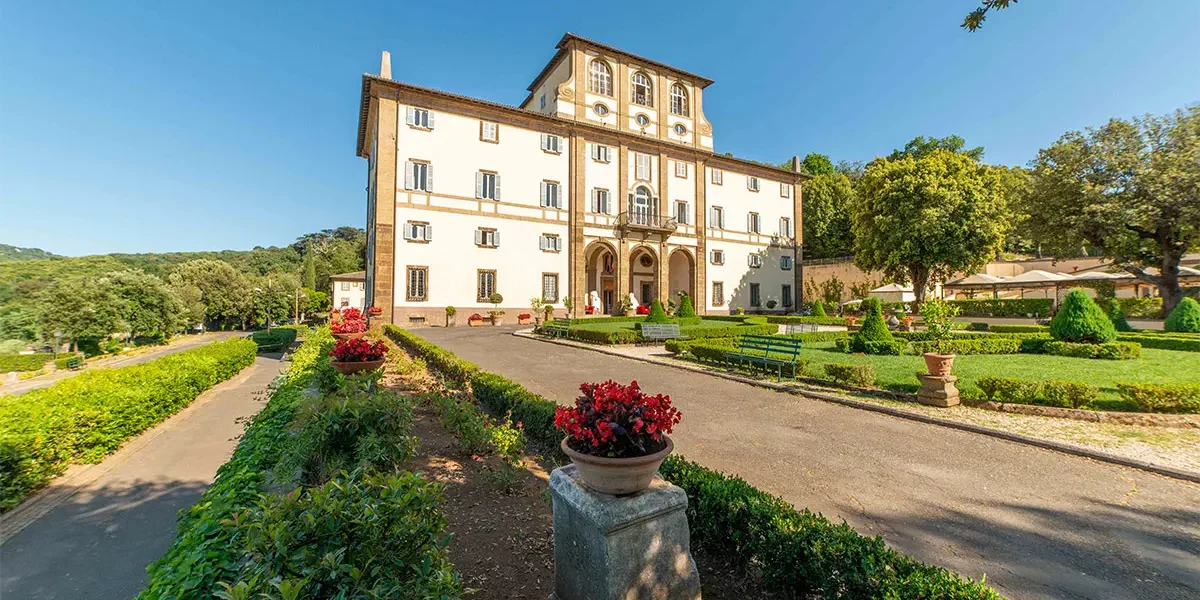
(681, 274)
(643, 274)
(600, 278)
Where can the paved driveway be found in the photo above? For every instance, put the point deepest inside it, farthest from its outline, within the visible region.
(1038, 523)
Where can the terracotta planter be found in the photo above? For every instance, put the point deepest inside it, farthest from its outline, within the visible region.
(523, 321)
(618, 476)
(348, 368)
(349, 336)
(475, 322)
(938, 364)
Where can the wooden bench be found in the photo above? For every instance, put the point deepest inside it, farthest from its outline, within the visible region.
(557, 328)
(756, 350)
(74, 363)
(658, 332)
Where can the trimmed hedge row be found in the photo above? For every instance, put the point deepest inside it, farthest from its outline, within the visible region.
(24, 362)
(859, 375)
(1107, 351)
(1000, 328)
(1162, 398)
(273, 340)
(1141, 307)
(630, 336)
(800, 553)
(1063, 394)
(443, 361)
(1161, 341)
(784, 319)
(997, 307)
(966, 345)
(84, 418)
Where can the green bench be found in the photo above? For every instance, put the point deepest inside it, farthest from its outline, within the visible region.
(756, 350)
(659, 332)
(557, 328)
(74, 363)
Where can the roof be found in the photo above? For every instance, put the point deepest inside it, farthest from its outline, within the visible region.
(977, 279)
(892, 287)
(568, 37)
(1037, 276)
(355, 276)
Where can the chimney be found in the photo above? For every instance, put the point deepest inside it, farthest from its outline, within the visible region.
(385, 65)
(796, 163)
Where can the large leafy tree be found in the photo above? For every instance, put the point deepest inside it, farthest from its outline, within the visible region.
(82, 307)
(920, 220)
(148, 307)
(828, 205)
(921, 146)
(816, 164)
(974, 19)
(224, 291)
(1129, 189)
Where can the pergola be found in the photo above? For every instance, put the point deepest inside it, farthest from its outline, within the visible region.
(1045, 280)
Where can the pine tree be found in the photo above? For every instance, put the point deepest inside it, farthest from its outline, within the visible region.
(657, 314)
(310, 270)
(685, 306)
(1080, 320)
(818, 308)
(1185, 318)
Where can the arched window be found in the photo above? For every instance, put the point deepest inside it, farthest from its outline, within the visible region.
(642, 92)
(600, 78)
(642, 207)
(679, 100)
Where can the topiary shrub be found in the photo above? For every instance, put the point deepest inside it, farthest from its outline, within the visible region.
(1116, 314)
(1079, 320)
(874, 328)
(657, 314)
(1185, 318)
(818, 309)
(856, 375)
(686, 310)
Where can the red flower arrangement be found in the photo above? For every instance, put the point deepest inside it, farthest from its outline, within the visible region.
(642, 309)
(524, 316)
(375, 311)
(350, 320)
(359, 350)
(475, 317)
(617, 421)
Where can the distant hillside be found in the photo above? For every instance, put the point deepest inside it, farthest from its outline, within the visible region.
(8, 252)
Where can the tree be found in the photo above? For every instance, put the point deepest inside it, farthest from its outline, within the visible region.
(657, 314)
(816, 164)
(310, 270)
(920, 147)
(273, 297)
(874, 328)
(1080, 320)
(828, 201)
(82, 307)
(921, 220)
(686, 309)
(1185, 318)
(148, 308)
(318, 301)
(1129, 189)
(224, 291)
(974, 19)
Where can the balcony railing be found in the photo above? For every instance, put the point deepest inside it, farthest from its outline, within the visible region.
(646, 221)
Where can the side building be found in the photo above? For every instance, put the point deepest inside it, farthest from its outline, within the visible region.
(602, 185)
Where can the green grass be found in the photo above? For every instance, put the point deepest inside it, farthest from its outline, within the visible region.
(898, 373)
(612, 326)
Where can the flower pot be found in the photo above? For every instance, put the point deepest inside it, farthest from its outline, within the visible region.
(349, 336)
(347, 368)
(475, 322)
(522, 321)
(618, 476)
(938, 364)
(496, 321)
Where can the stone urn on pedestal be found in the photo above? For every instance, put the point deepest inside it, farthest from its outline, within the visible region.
(620, 530)
(937, 386)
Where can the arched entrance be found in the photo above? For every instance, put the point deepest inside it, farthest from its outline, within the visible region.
(643, 274)
(682, 274)
(601, 283)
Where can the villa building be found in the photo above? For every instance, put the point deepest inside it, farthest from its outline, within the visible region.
(349, 291)
(603, 184)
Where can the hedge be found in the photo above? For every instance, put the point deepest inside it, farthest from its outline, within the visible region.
(996, 307)
(1162, 342)
(24, 362)
(1019, 328)
(630, 336)
(1141, 307)
(1108, 351)
(1064, 394)
(1162, 398)
(273, 340)
(782, 320)
(820, 336)
(860, 375)
(443, 361)
(998, 345)
(799, 553)
(84, 418)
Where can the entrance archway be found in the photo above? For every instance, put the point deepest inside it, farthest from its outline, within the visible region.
(600, 283)
(681, 274)
(643, 274)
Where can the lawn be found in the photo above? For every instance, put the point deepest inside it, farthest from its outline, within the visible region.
(616, 325)
(899, 372)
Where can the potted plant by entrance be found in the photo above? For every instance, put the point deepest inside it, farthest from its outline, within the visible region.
(475, 320)
(353, 356)
(939, 318)
(496, 314)
(450, 312)
(524, 318)
(626, 307)
(349, 324)
(617, 435)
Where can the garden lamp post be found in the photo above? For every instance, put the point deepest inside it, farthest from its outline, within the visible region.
(57, 341)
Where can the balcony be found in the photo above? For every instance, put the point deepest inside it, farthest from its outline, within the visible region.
(646, 221)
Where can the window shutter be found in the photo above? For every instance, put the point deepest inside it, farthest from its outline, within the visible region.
(478, 184)
(558, 244)
(748, 220)
(408, 178)
(428, 233)
(543, 194)
(558, 197)
(545, 141)
(712, 217)
(429, 115)
(478, 237)
(595, 152)
(410, 114)
(429, 178)
(408, 231)
(541, 242)
(750, 260)
(497, 187)
(496, 237)
(712, 256)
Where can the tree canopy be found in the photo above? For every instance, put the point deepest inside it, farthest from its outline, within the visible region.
(974, 19)
(921, 146)
(816, 164)
(828, 205)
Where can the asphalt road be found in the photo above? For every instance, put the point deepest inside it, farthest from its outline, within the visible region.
(1037, 523)
(98, 543)
(186, 343)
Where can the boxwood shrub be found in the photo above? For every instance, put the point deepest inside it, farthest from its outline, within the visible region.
(997, 307)
(860, 375)
(1185, 318)
(1080, 320)
(1162, 342)
(24, 362)
(273, 340)
(815, 320)
(1063, 394)
(1109, 351)
(444, 362)
(1162, 398)
(1019, 328)
(84, 418)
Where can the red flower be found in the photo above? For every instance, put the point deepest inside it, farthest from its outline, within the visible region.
(359, 350)
(475, 317)
(616, 420)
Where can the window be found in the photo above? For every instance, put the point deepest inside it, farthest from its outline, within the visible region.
(680, 129)
(549, 242)
(487, 238)
(418, 231)
(600, 108)
(489, 132)
(785, 263)
(717, 257)
(487, 185)
(600, 78)
(551, 143)
(418, 284)
(681, 169)
(682, 212)
(718, 293)
(785, 190)
(752, 183)
(551, 198)
(487, 284)
(418, 176)
(641, 91)
(419, 117)
(753, 223)
(755, 296)
(542, 102)
(718, 177)
(549, 287)
(716, 217)
(601, 153)
(642, 166)
(754, 260)
(787, 294)
(679, 101)
(642, 120)
(600, 201)
(345, 285)
(785, 227)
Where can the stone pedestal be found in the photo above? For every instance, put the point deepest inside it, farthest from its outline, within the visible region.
(632, 547)
(938, 391)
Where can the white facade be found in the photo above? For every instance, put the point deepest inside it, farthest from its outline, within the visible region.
(348, 292)
(557, 200)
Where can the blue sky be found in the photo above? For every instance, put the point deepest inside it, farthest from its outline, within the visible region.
(212, 125)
